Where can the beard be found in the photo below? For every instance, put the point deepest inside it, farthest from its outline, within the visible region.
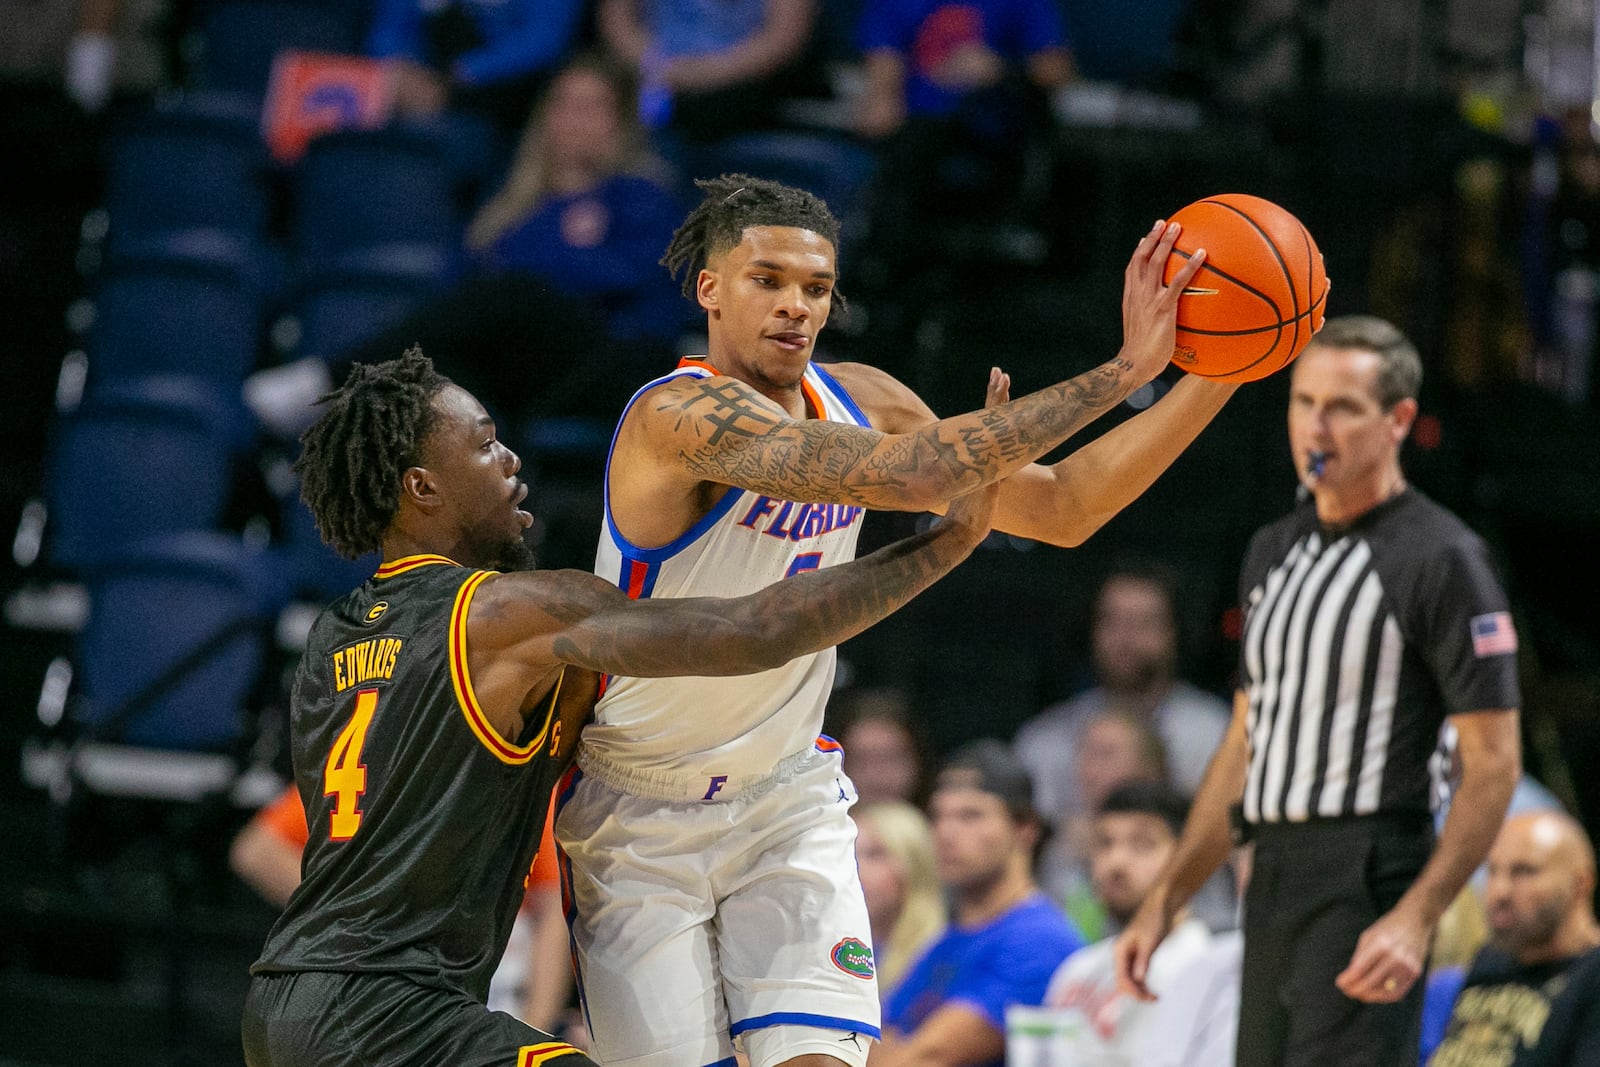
(1538, 929)
(513, 555)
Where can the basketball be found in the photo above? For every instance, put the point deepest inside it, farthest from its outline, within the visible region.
(1260, 295)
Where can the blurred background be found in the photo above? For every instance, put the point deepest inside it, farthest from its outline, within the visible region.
(208, 208)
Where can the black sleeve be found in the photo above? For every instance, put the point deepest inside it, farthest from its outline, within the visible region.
(1462, 627)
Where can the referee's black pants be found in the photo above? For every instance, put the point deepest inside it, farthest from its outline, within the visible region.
(1314, 887)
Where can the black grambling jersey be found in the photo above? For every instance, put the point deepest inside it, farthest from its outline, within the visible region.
(423, 819)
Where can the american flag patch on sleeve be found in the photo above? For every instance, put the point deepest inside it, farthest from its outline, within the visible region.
(1493, 634)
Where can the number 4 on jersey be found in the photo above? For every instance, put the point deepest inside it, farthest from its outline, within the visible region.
(346, 776)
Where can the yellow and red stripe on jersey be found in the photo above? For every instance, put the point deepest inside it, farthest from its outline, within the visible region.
(534, 1055)
(410, 563)
(461, 676)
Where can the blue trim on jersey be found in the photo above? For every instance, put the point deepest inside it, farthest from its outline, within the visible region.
(652, 571)
(572, 787)
(840, 395)
(630, 550)
(729, 1062)
(803, 1018)
(659, 555)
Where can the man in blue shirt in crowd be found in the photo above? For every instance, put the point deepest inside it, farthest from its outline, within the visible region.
(1005, 938)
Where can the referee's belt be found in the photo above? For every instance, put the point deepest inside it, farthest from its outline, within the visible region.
(1243, 831)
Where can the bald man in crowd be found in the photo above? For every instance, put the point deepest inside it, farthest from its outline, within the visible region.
(1533, 995)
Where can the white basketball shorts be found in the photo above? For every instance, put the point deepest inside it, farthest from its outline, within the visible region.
(698, 922)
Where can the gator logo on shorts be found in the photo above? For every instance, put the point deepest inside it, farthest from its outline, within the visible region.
(854, 957)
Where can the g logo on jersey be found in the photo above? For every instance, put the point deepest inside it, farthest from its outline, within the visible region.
(376, 611)
(854, 957)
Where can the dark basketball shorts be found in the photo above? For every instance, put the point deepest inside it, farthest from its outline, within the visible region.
(343, 1019)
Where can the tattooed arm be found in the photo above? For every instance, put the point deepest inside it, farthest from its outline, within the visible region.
(1066, 502)
(521, 626)
(722, 431)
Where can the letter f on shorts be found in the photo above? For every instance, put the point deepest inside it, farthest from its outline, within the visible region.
(716, 786)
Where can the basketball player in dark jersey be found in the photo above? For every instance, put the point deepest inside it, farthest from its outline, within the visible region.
(437, 704)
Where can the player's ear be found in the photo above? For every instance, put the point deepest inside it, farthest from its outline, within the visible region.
(706, 290)
(420, 487)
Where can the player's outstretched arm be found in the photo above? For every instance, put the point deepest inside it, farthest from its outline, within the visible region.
(531, 622)
(1065, 503)
(796, 616)
(721, 430)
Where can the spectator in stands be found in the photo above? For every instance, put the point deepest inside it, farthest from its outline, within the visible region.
(710, 67)
(1532, 996)
(955, 94)
(1134, 639)
(485, 56)
(1115, 749)
(564, 286)
(1005, 938)
(1463, 929)
(1134, 833)
(534, 980)
(266, 853)
(882, 751)
(905, 904)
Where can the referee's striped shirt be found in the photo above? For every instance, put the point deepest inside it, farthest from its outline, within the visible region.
(1357, 643)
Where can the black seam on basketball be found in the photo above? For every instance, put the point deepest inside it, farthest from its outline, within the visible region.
(1311, 270)
(1241, 283)
(1244, 333)
(1263, 328)
(1283, 265)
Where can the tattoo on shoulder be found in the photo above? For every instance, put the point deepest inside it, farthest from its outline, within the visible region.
(725, 406)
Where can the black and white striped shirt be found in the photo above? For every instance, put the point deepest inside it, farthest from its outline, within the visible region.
(1357, 643)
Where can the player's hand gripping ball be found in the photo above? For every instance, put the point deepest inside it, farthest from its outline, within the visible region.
(1260, 295)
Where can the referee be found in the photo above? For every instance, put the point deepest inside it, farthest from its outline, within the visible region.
(1372, 616)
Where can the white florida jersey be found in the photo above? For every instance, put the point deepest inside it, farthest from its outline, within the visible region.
(743, 725)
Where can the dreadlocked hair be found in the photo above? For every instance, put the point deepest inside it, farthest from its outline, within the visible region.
(733, 203)
(351, 459)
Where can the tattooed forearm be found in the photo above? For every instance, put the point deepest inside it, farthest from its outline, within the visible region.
(793, 617)
(727, 436)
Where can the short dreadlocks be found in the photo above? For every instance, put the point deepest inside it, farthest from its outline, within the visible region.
(734, 202)
(352, 457)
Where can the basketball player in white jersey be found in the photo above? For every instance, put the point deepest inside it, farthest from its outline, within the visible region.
(708, 851)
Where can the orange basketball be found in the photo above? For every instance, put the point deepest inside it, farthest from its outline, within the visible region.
(1260, 295)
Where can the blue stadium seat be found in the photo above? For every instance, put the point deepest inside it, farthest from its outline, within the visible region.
(1132, 44)
(175, 643)
(315, 570)
(358, 188)
(240, 38)
(830, 165)
(363, 293)
(186, 304)
(140, 457)
(183, 167)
